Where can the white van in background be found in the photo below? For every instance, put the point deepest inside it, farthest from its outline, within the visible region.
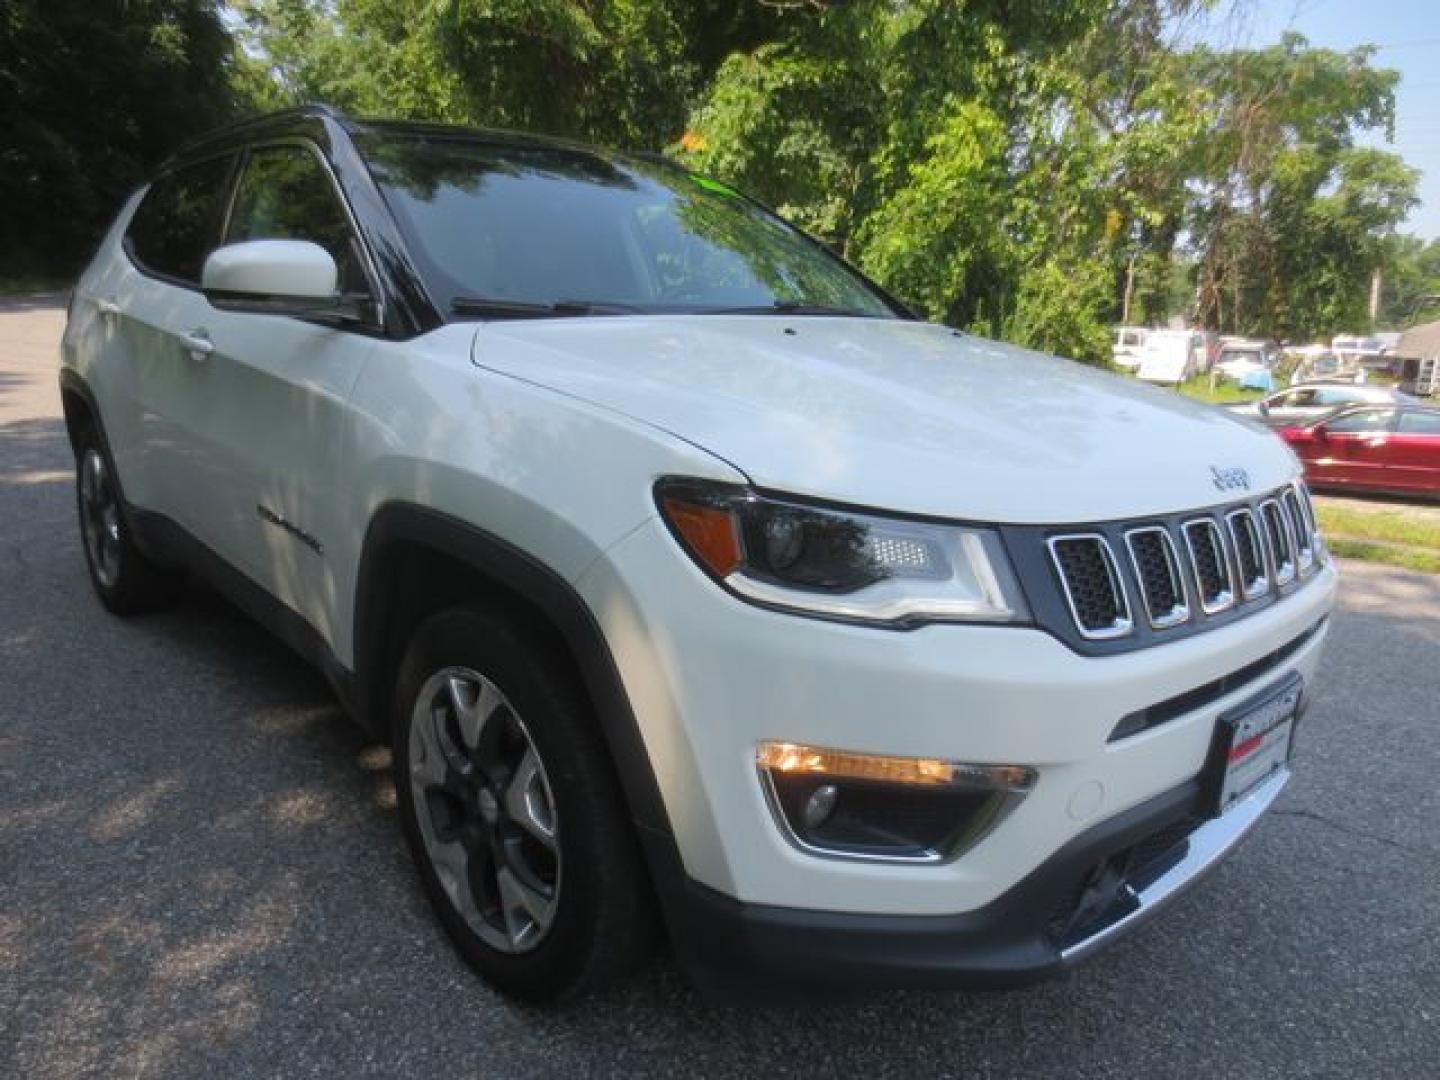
(1171, 356)
(1129, 342)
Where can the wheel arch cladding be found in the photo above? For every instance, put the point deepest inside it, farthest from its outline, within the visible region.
(396, 588)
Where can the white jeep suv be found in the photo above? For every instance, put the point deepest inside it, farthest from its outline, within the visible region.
(695, 585)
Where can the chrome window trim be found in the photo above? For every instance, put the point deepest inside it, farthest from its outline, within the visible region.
(1261, 546)
(1227, 598)
(1124, 623)
(1180, 612)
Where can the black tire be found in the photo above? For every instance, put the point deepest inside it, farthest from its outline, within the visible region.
(600, 917)
(126, 581)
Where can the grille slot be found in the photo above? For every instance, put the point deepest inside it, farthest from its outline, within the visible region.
(1249, 554)
(1303, 530)
(1157, 568)
(1281, 541)
(1214, 580)
(1092, 585)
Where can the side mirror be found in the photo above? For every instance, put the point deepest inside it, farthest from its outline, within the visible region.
(273, 277)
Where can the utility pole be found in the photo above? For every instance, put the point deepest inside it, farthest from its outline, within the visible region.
(1374, 297)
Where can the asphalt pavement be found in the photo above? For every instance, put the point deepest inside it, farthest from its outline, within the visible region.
(201, 872)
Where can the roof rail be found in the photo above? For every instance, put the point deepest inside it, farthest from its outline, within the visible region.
(315, 111)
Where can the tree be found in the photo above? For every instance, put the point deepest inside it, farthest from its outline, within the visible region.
(93, 94)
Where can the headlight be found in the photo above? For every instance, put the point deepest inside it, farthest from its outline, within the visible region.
(841, 564)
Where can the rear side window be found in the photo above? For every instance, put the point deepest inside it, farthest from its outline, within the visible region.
(1363, 420)
(1420, 423)
(286, 194)
(178, 222)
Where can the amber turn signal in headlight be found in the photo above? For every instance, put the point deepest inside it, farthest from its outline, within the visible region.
(788, 757)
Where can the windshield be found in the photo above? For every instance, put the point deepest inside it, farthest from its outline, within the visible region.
(500, 229)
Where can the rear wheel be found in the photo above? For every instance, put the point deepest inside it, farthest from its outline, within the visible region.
(124, 578)
(512, 812)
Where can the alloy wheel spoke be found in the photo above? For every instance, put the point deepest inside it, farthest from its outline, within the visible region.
(526, 910)
(451, 860)
(527, 800)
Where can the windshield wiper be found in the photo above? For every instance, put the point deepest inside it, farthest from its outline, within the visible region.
(793, 307)
(498, 308)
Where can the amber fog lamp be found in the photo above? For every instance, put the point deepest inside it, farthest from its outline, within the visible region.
(882, 807)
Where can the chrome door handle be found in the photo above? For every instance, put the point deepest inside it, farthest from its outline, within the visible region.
(107, 306)
(197, 343)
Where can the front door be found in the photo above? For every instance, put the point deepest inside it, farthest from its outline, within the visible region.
(280, 387)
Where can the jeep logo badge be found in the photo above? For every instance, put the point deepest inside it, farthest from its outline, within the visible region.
(1230, 479)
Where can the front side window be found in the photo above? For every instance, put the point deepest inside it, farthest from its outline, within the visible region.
(539, 225)
(1361, 421)
(178, 223)
(286, 194)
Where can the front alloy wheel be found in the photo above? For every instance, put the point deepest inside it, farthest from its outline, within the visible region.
(512, 810)
(485, 809)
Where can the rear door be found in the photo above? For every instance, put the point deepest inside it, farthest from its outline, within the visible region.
(155, 311)
(275, 409)
(1355, 449)
(1414, 452)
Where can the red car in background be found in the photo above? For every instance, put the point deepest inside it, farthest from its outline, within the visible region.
(1384, 448)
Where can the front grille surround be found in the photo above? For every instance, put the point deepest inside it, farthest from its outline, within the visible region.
(1210, 559)
(1088, 599)
(1303, 529)
(1089, 584)
(1157, 568)
(1248, 543)
(1279, 541)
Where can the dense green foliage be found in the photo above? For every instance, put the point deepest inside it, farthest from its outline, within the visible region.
(1031, 169)
(92, 94)
(1412, 282)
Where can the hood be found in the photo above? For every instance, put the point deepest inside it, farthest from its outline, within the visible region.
(897, 415)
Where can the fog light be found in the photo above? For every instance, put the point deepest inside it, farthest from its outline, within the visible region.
(819, 805)
(875, 806)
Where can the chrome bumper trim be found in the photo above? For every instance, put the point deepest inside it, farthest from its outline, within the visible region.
(1208, 844)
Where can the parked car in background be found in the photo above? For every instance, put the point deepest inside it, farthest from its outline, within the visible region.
(1358, 351)
(1302, 405)
(1241, 360)
(1171, 356)
(1393, 449)
(1330, 368)
(1129, 341)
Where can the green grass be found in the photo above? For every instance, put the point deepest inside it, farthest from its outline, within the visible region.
(1410, 558)
(1222, 391)
(1388, 526)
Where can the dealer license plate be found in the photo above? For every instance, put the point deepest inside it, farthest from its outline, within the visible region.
(1256, 740)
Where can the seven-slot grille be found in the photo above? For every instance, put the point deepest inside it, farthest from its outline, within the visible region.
(1208, 564)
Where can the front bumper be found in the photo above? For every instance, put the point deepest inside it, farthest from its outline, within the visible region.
(1027, 934)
